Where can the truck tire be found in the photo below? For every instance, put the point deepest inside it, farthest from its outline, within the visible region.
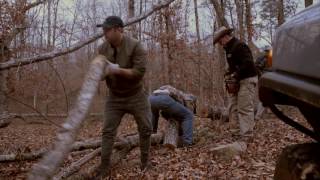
(299, 162)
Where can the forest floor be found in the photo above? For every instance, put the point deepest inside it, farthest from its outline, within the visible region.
(196, 162)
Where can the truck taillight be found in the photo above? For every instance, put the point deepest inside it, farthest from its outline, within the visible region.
(269, 58)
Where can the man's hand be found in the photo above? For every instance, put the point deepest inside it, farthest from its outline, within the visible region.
(112, 69)
(160, 91)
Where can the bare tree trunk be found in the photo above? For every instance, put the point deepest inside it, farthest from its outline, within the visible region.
(140, 25)
(220, 14)
(170, 40)
(249, 21)
(55, 13)
(250, 30)
(197, 20)
(308, 3)
(131, 13)
(4, 53)
(198, 47)
(239, 9)
(220, 70)
(280, 12)
(49, 26)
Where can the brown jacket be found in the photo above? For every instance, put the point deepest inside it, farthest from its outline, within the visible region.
(130, 55)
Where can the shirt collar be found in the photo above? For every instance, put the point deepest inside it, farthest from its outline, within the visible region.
(122, 44)
(230, 43)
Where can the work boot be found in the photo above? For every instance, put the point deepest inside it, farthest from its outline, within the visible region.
(146, 163)
(101, 173)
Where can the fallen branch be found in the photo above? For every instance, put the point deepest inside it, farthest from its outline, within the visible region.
(74, 167)
(56, 53)
(77, 146)
(128, 144)
(14, 115)
(22, 156)
(5, 119)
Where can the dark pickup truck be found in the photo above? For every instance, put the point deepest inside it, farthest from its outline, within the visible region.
(294, 80)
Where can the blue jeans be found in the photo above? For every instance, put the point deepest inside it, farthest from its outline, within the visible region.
(172, 109)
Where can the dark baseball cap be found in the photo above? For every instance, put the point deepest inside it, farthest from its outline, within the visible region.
(112, 21)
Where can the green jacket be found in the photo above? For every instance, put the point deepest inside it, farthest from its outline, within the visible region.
(130, 55)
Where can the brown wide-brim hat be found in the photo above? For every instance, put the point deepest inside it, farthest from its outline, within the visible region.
(222, 31)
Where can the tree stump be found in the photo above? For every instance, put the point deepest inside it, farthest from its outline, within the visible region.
(171, 134)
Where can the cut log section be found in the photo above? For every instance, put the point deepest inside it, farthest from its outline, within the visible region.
(171, 134)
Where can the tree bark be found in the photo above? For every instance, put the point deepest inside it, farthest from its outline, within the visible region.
(131, 12)
(250, 29)
(308, 3)
(4, 53)
(280, 12)
(74, 167)
(171, 135)
(198, 47)
(222, 21)
(239, 9)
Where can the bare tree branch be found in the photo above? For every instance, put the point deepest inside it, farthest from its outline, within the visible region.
(56, 53)
(47, 167)
(34, 4)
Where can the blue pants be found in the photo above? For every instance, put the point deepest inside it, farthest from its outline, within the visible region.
(172, 109)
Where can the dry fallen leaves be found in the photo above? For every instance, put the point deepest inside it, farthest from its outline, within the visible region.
(197, 162)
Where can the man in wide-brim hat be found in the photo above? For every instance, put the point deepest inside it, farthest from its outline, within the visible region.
(241, 78)
(221, 32)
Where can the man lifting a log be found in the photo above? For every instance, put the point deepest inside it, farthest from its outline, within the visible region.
(126, 95)
(174, 105)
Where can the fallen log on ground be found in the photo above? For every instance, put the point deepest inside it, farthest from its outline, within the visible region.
(22, 156)
(172, 134)
(62, 115)
(92, 143)
(125, 147)
(5, 119)
(74, 167)
(4, 122)
(77, 146)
